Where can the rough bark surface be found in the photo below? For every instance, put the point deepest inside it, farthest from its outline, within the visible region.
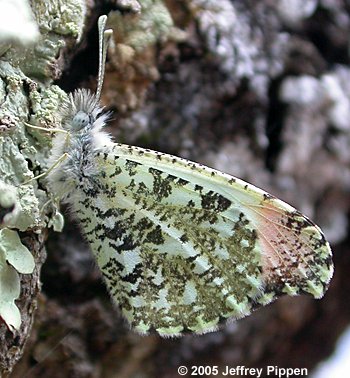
(257, 89)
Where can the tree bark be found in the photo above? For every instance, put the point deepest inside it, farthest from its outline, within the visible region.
(256, 89)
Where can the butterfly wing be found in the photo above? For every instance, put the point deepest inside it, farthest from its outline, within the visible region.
(182, 246)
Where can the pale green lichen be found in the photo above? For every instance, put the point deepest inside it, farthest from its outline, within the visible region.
(55, 20)
(23, 101)
(23, 150)
(17, 147)
(62, 19)
(15, 252)
(154, 23)
(14, 257)
(46, 105)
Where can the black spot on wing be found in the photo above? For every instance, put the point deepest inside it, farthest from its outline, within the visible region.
(155, 236)
(131, 167)
(162, 183)
(128, 244)
(214, 201)
(135, 274)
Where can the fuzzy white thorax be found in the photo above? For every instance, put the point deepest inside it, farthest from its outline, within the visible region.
(83, 120)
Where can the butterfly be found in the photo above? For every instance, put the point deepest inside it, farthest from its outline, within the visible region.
(181, 246)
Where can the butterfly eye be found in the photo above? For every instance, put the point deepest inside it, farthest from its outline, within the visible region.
(81, 120)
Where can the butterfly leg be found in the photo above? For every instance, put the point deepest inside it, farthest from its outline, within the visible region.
(58, 162)
(46, 129)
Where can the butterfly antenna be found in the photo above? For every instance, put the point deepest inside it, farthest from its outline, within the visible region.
(103, 40)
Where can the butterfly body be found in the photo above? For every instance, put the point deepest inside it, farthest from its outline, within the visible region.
(83, 121)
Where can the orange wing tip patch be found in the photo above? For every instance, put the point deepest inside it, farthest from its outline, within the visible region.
(296, 258)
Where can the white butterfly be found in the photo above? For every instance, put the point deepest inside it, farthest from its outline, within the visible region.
(181, 246)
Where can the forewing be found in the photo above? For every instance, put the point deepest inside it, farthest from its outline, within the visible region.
(182, 246)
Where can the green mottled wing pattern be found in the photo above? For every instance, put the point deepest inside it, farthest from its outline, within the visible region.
(182, 246)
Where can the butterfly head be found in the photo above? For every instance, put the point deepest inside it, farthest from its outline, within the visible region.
(81, 120)
(80, 111)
